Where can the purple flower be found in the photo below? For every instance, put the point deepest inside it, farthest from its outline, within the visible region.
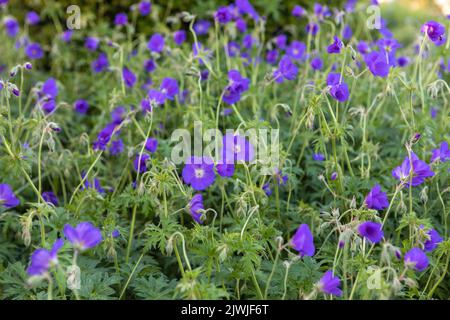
(287, 70)
(376, 199)
(149, 65)
(11, 26)
(245, 6)
(267, 190)
(81, 106)
(101, 63)
(338, 88)
(145, 7)
(416, 174)
(334, 176)
(236, 148)
(233, 48)
(296, 50)
(303, 241)
(66, 36)
(329, 284)
(435, 31)
(151, 145)
(237, 85)
(281, 41)
(118, 114)
(128, 77)
(347, 32)
(336, 46)
(32, 18)
(140, 161)
(104, 136)
(96, 185)
(321, 11)
(377, 64)
(362, 47)
(50, 197)
(116, 147)
(199, 172)
(442, 154)
(91, 43)
(298, 11)
(195, 206)
(225, 170)
(201, 27)
(349, 6)
(115, 233)
(83, 236)
(318, 156)
(312, 28)
(47, 104)
(179, 37)
(373, 231)
(169, 88)
(316, 64)
(272, 56)
(49, 88)
(7, 197)
(433, 240)
(154, 98)
(121, 19)
(34, 51)
(403, 61)
(223, 15)
(433, 113)
(280, 178)
(156, 43)
(249, 41)
(42, 259)
(241, 25)
(416, 259)
(388, 48)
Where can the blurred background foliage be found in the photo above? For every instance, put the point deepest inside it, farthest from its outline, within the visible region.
(277, 12)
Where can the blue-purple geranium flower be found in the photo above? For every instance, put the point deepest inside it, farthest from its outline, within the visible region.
(303, 241)
(442, 154)
(42, 259)
(373, 231)
(412, 171)
(287, 70)
(7, 197)
(84, 236)
(416, 259)
(195, 206)
(330, 284)
(50, 197)
(376, 199)
(435, 31)
(156, 43)
(236, 86)
(199, 172)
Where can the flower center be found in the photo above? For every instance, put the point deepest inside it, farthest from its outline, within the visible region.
(199, 173)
